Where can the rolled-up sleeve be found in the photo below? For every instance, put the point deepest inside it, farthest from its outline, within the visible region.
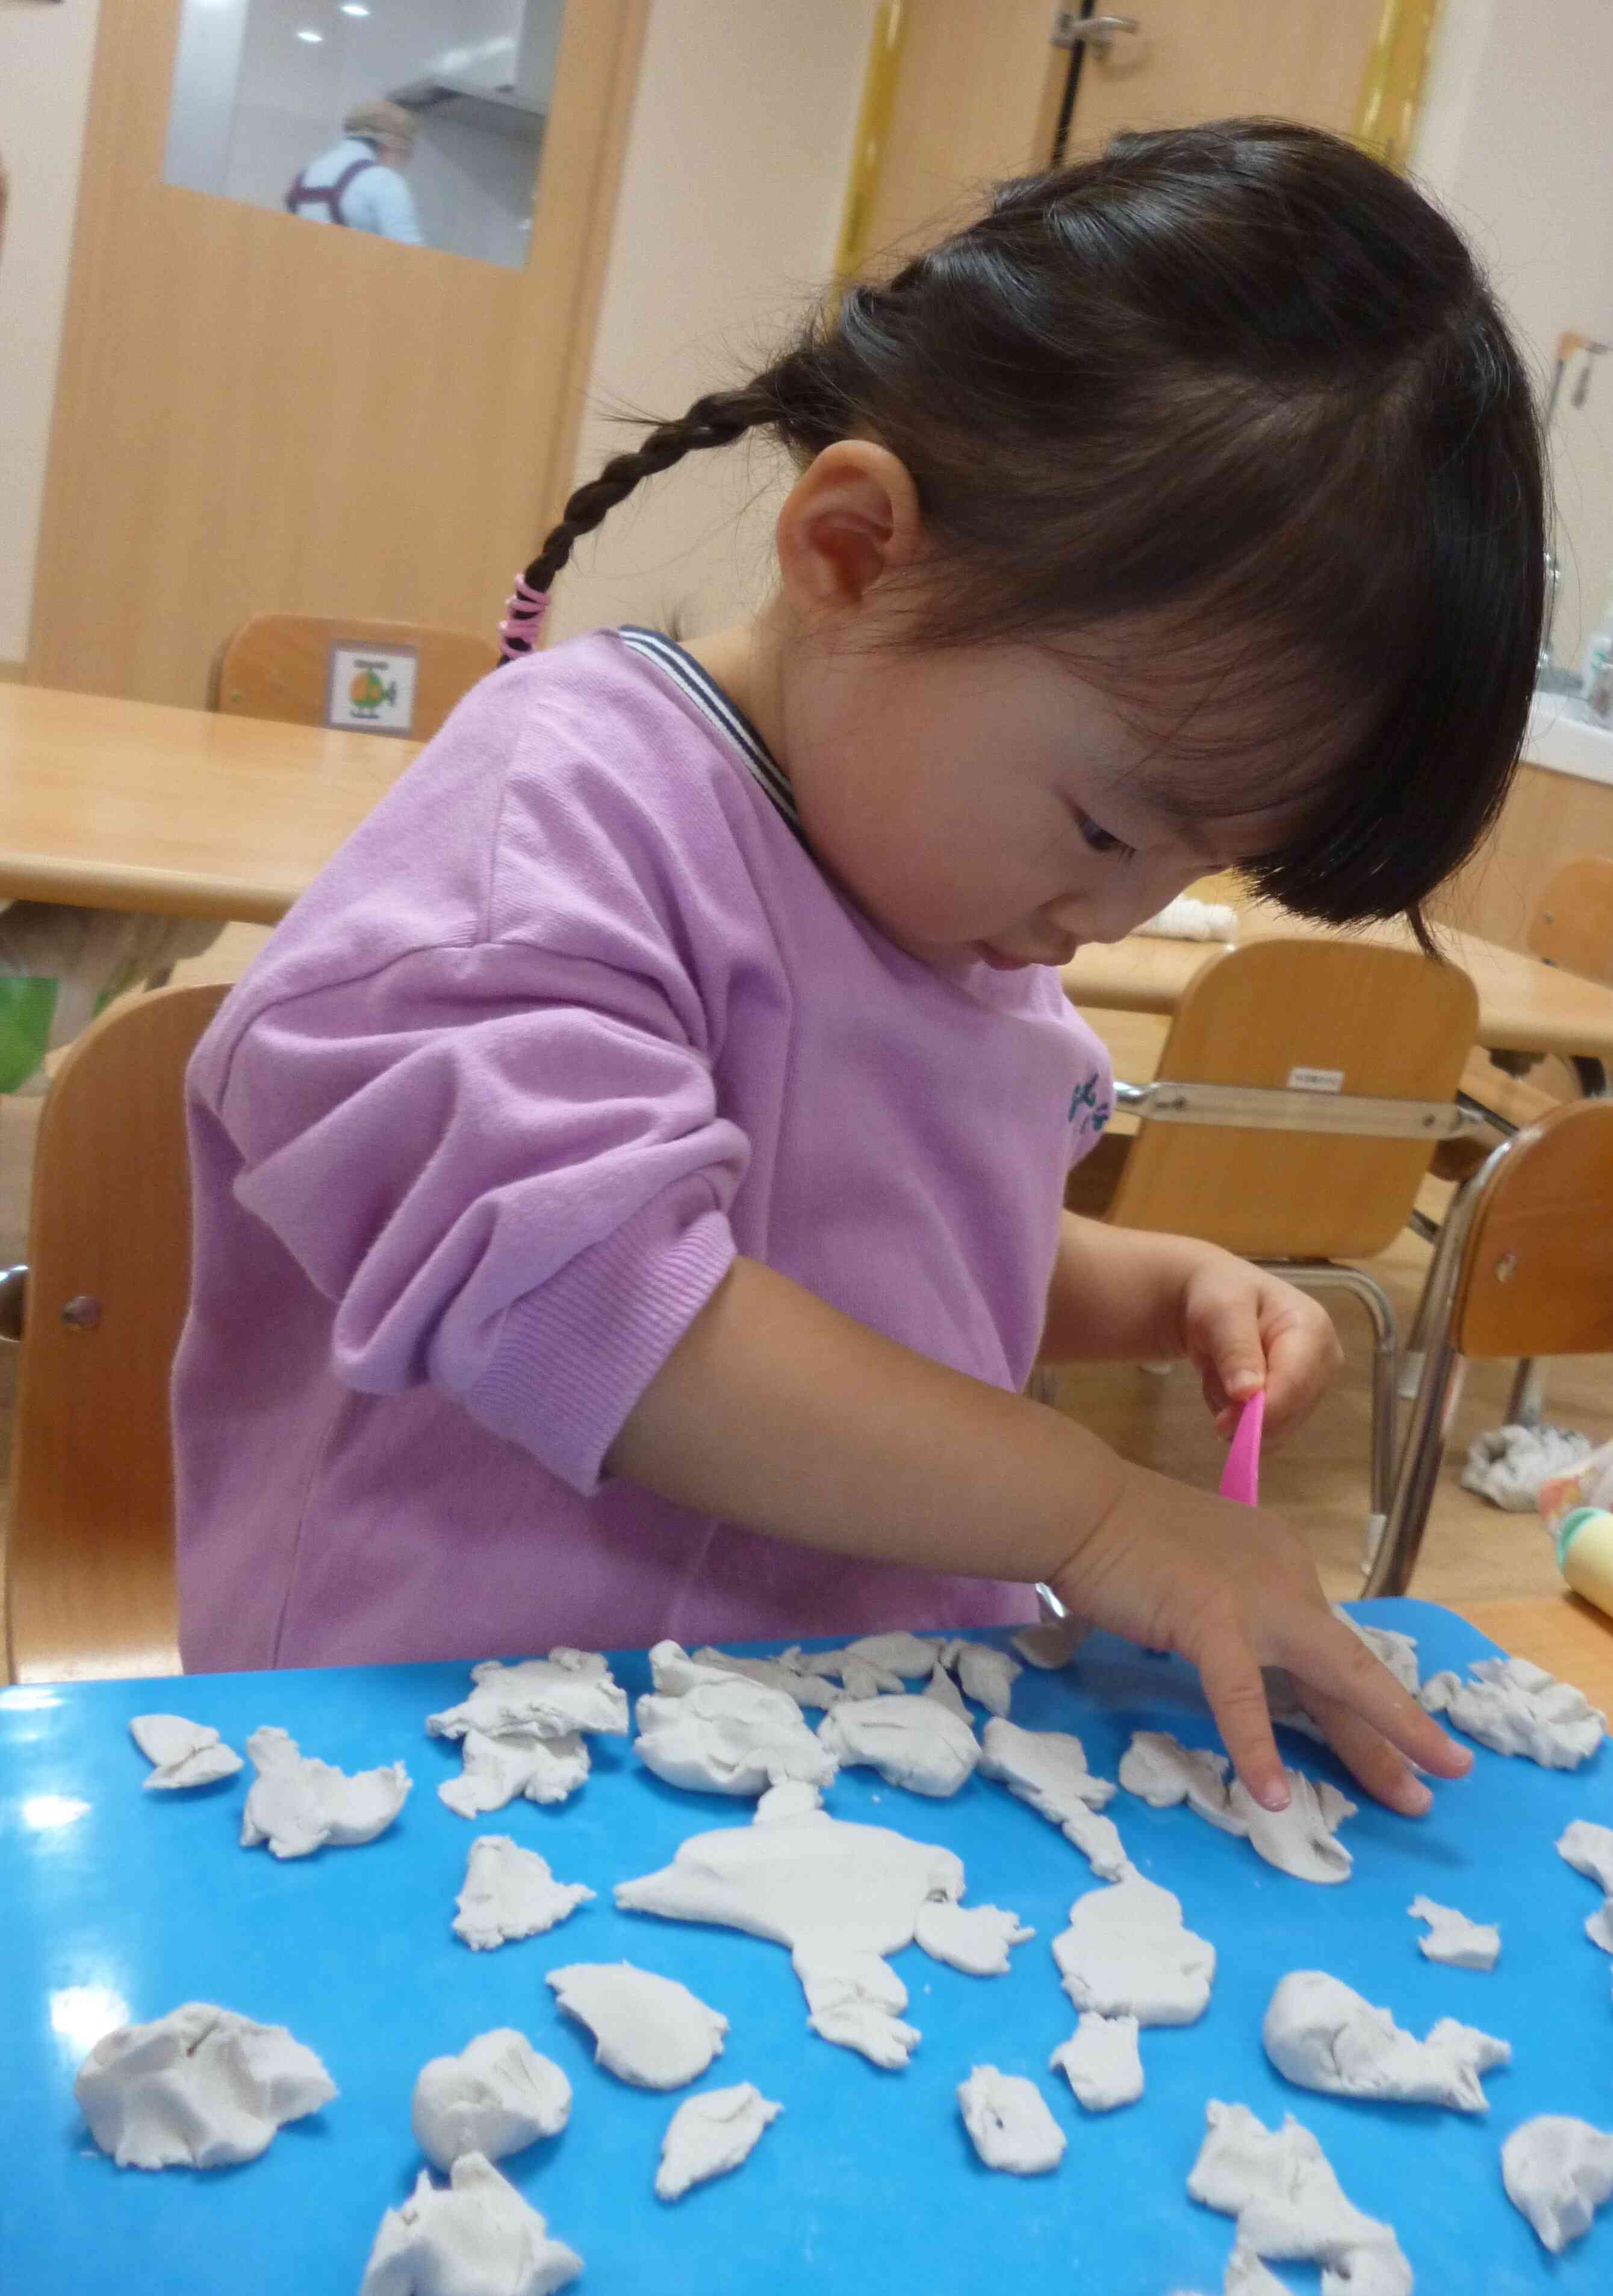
(506, 1170)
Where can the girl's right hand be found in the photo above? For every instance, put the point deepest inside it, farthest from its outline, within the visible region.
(1231, 1589)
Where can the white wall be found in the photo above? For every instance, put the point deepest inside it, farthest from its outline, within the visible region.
(1514, 138)
(44, 70)
(730, 211)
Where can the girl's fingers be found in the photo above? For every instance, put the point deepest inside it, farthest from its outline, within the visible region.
(1236, 1693)
(1325, 1658)
(1368, 1755)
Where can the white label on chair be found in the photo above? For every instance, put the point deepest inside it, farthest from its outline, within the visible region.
(1316, 1079)
(371, 691)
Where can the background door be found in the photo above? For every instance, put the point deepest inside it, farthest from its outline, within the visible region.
(962, 91)
(257, 413)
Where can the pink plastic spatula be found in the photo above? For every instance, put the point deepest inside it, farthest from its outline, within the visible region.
(1240, 1477)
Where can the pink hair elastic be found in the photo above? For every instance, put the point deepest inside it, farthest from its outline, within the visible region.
(523, 612)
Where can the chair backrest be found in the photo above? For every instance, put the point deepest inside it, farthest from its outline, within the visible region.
(1573, 922)
(89, 1560)
(1328, 1016)
(1536, 1276)
(279, 666)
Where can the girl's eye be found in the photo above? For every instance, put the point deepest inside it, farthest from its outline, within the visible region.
(1100, 840)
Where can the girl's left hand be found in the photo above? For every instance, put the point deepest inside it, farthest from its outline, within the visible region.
(1243, 1329)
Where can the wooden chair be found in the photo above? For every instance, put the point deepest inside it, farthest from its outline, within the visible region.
(1302, 1089)
(89, 1557)
(1524, 1266)
(279, 666)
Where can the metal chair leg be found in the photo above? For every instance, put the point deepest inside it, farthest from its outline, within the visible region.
(1438, 1392)
(1525, 1405)
(1325, 1275)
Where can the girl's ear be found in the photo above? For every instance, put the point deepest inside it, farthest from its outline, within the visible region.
(850, 521)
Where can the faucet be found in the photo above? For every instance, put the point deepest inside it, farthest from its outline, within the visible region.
(1549, 677)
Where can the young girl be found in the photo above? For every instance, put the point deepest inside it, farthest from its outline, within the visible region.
(628, 1187)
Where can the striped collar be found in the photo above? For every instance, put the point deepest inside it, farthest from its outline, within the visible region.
(713, 704)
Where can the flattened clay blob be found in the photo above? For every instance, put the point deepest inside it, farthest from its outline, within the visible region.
(474, 2237)
(1048, 1769)
(1128, 1953)
(985, 1672)
(199, 2089)
(913, 1742)
(1052, 1645)
(710, 2134)
(1009, 2122)
(182, 1753)
(1452, 1939)
(1514, 1707)
(647, 2029)
(1558, 2171)
(908, 1657)
(515, 1765)
(509, 1892)
(840, 1896)
(1323, 2036)
(496, 2097)
(1279, 2184)
(941, 1687)
(297, 1804)
(1588, 1849)
(975, 1939)
(1101, 2061)
(787, 1672)
(552, 1697)
(1299, 1840)
(1160, 1770)
(732, 1736)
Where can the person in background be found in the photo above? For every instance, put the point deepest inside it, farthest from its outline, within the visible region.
(628, 1187)
(359, 181)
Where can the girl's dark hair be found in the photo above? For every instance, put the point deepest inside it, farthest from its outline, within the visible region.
(1230, 418)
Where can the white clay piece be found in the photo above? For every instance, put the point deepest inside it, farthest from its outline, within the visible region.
(1299, 1840)
(475, 2236)
(1515, 1707)
(513, 1765)
(1559, 2171)
(1127, 1953)
(199, 2089)
(1279, 2184)
(975, 1939)
(915, 1744)
(1588, 1849)
(731, 1735)
(1452, 1939)
(1052, 1643)
(842, 1896)
(555, 1697)
(1320, 2034)
(297, 1804)
(710, 2134)
(983, 1672)
(509, 1892)
(496, 2097)
(1101, 2061)
(1048, 1770)
(181, 1753)
(1009, 2122)
(1395, 1650)
(648, 2030)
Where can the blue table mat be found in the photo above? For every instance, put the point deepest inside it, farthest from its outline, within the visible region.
(867, 2181)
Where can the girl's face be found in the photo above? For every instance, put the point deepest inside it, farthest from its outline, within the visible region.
(986, 803)
(980, 803)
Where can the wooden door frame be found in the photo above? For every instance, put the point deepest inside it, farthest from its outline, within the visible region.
(121, 461)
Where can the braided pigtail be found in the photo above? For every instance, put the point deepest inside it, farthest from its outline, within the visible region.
(716, 420)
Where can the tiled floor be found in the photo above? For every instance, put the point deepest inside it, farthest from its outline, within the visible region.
(1317, 1479)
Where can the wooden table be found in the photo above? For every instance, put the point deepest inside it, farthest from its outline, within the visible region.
(134, 805)
(1524, 1005)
